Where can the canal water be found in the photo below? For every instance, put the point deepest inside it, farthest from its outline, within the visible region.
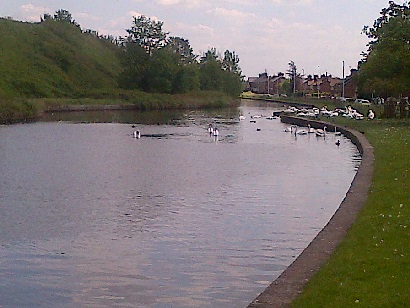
(90, 216)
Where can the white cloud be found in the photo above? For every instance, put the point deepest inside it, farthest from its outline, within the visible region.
(30, 12)
(185, 3)
(292, 2)
(231, 13)
(85, 16)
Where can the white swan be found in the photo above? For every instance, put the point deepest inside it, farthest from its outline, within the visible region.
(136, 134)
(337, 133)
(321, 132)
(210, 129)
(311, 130)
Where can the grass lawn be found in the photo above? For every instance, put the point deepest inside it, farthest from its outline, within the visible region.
(371, 267)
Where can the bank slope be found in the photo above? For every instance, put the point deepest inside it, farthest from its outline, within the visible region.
(54, 59)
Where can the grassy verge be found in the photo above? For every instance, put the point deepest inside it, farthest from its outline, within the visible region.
(371, 266)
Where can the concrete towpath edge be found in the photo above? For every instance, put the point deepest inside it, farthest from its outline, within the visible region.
(282, 291)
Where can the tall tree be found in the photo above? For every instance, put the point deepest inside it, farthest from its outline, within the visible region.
(135, 61)
(230, 62)
(292, 73)
(147, 33)
(211, 71)
(385, 68)
(215, 75)
(210, 55)
(181, 47)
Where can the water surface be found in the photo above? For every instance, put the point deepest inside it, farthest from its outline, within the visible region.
(90, 216)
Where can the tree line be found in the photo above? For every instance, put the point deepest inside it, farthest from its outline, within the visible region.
(155, 62)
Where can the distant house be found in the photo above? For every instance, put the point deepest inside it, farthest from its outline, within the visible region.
(264, 84)
(325, 85)
(351, 84)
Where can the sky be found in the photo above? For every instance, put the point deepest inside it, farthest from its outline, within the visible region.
(317, 35)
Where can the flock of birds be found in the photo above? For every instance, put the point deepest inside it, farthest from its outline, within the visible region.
(348, 112)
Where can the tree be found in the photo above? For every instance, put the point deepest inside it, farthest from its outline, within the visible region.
(162, 69)
(292, 73)
(230, 62)
(209, 55)
(63, 15)
(135, 61)
(147, 33)
(215, 75)
(181, 47)
(45, 17)
(385, 68)
(210, 71)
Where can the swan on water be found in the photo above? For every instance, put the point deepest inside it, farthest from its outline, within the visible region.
(311, 130)
(321, 132)
(210, 129)
(136, 134)
(337, 133)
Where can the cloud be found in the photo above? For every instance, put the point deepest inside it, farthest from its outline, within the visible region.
(30, 12)
(292, 2)
(231, 13)
(185, 3)
(85, 16)
(136, 14)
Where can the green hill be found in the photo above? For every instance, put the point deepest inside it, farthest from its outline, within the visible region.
(54, 59)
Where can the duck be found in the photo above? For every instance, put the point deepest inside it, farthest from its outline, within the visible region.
(337, 142)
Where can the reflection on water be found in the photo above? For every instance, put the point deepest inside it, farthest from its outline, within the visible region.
(90, 216)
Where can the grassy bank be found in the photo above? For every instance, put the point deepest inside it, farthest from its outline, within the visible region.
(370, 267)
(20, 110)
(17, 110)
